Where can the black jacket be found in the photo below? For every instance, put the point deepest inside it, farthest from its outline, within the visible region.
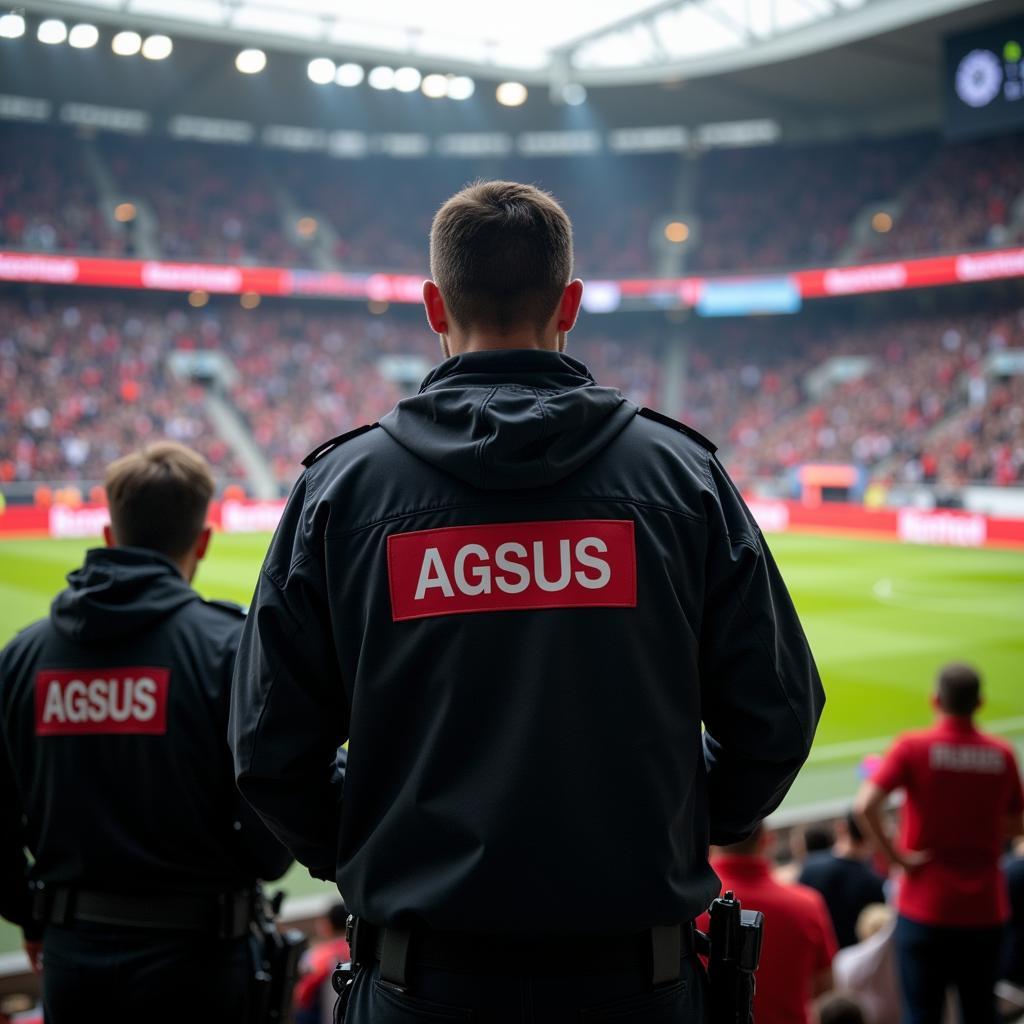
(114, 765)
(525, 739)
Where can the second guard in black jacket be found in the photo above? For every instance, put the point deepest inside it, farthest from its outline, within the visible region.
(116, 774)
(520, 598)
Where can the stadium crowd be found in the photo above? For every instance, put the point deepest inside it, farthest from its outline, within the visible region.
(47, 200)
(92, 378)
(763, 208)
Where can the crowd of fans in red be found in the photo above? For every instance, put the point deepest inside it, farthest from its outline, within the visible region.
(89, 379)
(903, 378)
(763, 208)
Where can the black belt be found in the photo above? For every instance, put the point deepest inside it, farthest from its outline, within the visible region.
(226, 914)
(657, 950)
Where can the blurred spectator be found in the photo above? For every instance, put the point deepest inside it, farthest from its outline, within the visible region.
(1013, 948)
(314, 997)
(868, 968)
(799, 943)
(844, 879)
(839, 1008)
(963, 800)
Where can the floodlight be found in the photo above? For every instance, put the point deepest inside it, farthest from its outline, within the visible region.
(461, 88)
(321, 70)
(251, 62)
(381, 77)
(83, 37)
(574, 94)
(435, 86)
(157, 47)
(12, 26)
(511, 94)
(349, 75)
(126, 44)
(52, 31)
(407, 79)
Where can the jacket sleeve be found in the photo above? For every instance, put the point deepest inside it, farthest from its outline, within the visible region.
(289, 713)
(258, 849)
(760, 690)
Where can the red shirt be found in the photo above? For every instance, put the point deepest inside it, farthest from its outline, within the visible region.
(317, 966)
(798, 938)
(961, 785)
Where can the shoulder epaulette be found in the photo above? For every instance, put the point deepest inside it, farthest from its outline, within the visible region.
(228, 606)
(329, 446)
(667, 421)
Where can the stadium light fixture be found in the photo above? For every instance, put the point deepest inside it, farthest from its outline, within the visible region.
(158, 47)
(52, 31)
(574, 94)
(511, 94)
(124, 213)
(407, 80)
(677, 232)
(882, 222)
(321, 70)
(381, 77)
(12, 26)
(306, 226)
(349, 75)
(83, 37)
(460, 87)
(126, 44)
(435, 86)
(251, 62)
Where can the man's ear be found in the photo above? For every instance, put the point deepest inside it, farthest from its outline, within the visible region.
(569, 305)
(437, 315)
(203, 543)
(108, 536)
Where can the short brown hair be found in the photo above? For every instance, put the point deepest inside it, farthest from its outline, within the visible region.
(159, 497)
(501, 255)
(959, 689)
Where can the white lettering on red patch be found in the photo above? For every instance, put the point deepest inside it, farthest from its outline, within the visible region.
(93, 701)
(572, 563)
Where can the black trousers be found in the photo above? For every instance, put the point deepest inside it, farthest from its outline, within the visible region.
(622, 997)
(142, 976)
(932, 960)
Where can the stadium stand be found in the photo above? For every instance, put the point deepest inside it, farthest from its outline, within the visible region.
(763, 208)
(48, 201)
(968, 196)
(791, 206)
(93, 375)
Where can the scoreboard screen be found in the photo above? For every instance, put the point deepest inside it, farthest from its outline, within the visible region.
(984, 80)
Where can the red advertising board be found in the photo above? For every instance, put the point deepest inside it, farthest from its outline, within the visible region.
(903, 525)
(816, 283)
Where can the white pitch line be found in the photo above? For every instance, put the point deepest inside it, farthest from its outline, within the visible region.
(844, 751)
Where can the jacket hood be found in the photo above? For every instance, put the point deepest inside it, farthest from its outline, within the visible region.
(509, 419)
(118, 592)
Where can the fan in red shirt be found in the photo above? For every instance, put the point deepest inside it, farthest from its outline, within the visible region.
(318, 964)
(799, 941)
(963, 801)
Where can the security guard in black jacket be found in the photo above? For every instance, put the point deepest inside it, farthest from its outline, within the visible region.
(116, 774)
(519, 596)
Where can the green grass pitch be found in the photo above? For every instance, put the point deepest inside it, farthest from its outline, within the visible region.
(880, 617)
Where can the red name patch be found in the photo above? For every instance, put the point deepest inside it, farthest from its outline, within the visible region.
(572, 563)
(102, 700)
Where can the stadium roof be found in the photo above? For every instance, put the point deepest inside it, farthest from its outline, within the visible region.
(613, 41)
